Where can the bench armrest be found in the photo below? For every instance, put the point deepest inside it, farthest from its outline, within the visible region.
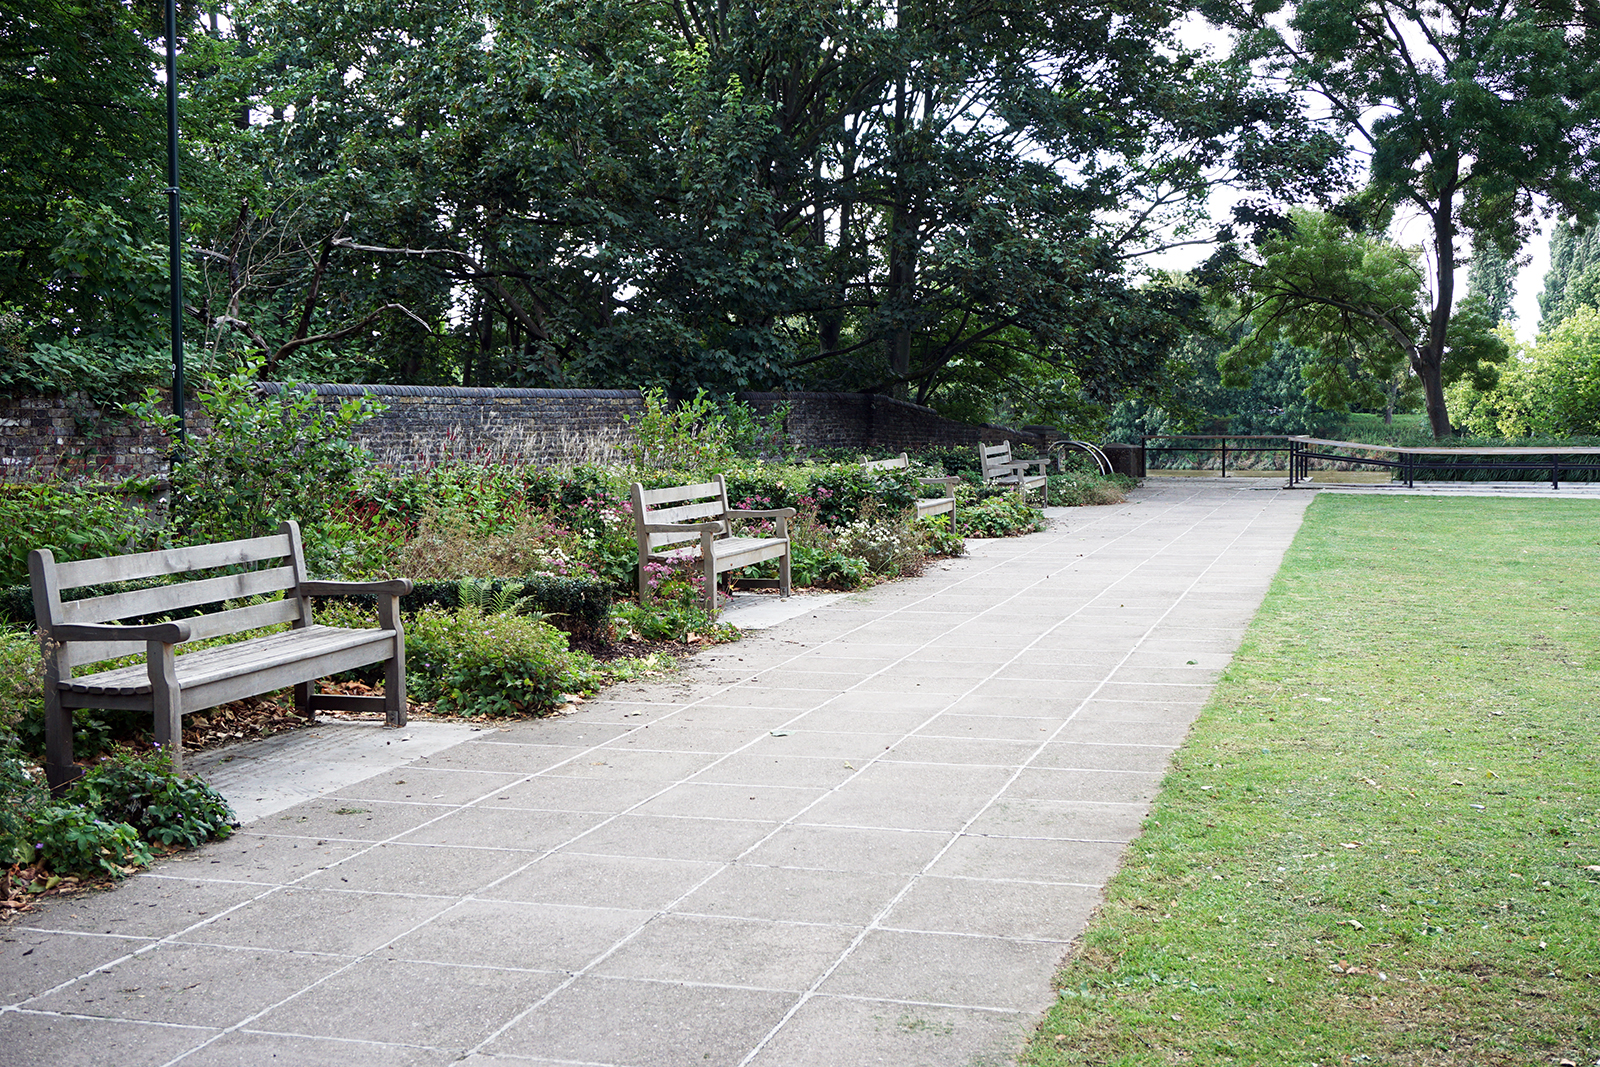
(948, 480)
(775, 513)
(395, 586)
(168, 633)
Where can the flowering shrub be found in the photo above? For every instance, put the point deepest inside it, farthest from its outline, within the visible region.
(891, 546)
(449, 544)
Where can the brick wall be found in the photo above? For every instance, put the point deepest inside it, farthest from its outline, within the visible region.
(44, 435)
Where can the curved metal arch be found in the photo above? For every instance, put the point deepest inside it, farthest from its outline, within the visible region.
(1093, 451)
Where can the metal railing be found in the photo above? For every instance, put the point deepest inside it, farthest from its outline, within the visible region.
(1220, 447)
(1407, 462)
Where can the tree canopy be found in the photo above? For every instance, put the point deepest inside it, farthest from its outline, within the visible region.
(944, 201)
(894, 195)
(1466, 111)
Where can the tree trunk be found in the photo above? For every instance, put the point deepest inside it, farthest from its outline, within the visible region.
(1428, 364)
(902, 254)
(1428, 358)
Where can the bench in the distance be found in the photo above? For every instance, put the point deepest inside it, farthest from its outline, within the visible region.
(85, 632)
(1000, 469)
(935, 505)
(694, 522)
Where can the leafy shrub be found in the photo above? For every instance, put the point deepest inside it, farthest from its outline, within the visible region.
(74, 523)
(692, 435)
(94, 731)
(814, 555)
(838, 492)
(937, 537)
(72, 839)
(268, 457)
(451, 544)
(20, 796)
(142, 791)
(21, 674)
(581, 606)
(754, 435)
(1002, 514)
(1084, 490)
(676, 611)
(474, 664)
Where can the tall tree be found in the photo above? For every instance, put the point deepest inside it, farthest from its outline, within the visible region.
(80, 158)
(1356, 301)
(1492, 280)
(850, 193)
(1573, 279)
(1468, 109)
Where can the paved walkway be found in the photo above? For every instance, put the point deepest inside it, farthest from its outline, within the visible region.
(865, 836)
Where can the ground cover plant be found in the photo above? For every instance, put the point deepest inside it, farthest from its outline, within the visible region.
(1381, 842)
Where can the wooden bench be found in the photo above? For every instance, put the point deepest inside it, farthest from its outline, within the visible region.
(926, 505)
(87, 631)
(1000, 469)
(684, 522)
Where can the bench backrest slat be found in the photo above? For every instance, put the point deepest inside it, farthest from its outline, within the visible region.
(171, 561)
(165, 598)
(238, 620)
(674, 494)
(897, 463)
(235, 620)
(700, 512)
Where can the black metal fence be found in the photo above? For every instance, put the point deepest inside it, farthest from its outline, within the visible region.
(1207, 447)
(1572, 464)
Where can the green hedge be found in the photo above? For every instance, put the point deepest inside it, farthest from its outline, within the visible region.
(580, 606)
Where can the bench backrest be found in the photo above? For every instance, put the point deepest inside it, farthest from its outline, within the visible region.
(256, 566)
(705, 502)
(896, 463)
(996, 459)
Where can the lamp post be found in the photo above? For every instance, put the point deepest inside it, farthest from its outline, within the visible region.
(174, 234)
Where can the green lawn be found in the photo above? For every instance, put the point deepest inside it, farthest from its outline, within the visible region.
(1381, 843)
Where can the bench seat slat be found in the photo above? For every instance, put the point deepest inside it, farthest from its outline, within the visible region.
(227, 661)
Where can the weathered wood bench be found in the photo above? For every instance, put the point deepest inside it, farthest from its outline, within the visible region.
(684, 522)
(926, 505)
(87, 631)
(1000, 469)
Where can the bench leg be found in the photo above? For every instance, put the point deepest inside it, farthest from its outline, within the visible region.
(783, 574)
(302, 699)
(59, 768)
(394, 690)
(166, 698)
(394, 671)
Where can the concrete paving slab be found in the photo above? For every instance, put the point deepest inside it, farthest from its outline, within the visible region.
(865, 833)
(853, 1032)
(268, 776)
